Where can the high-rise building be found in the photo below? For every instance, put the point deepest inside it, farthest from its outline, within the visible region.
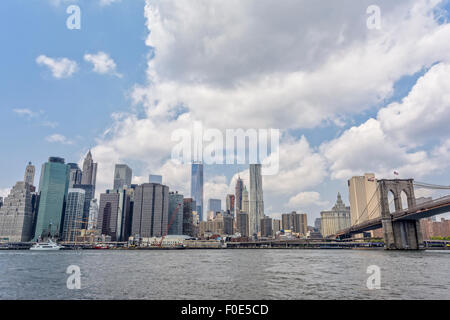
(364, 198)
(256, 212)
(73, 214)
(16, 215)
(238, 189)
(89, 190)
(242, 223)
(197, 187)
(114, 217)
(222, 224)
(296, 222)
(93, 215)
(155, 179)
(276, 226)
(176, 201)
(338, 218)
(29, 174)
(214, 205)
(75, 174)
(230, 203)
(1, 202)
(53, 187)
(318, 224)
(188, 219)
(151, 210)
(89, 171)
(122, 176)
(266, 227)
(245, 200)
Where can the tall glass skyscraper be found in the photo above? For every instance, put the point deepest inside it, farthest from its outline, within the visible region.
(73, 214)
(122, 176)
(53, 186)
(239, 188)
(197, 187)
(256, 200)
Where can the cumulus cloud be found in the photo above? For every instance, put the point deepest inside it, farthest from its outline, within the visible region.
(102, 63)
(59, 67)
(305, 200)
(58, 138)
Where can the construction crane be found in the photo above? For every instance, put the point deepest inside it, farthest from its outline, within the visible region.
(170, 224)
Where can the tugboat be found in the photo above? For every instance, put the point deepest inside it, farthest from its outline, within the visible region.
(46, 246)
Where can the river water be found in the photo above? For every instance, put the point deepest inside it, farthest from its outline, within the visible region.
(225, 274)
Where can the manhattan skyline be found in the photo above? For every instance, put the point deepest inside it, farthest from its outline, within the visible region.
(354, 117)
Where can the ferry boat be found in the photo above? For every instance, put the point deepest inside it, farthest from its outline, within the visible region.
(46, 246)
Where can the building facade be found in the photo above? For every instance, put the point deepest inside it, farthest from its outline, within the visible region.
(73, 215)
(214, 205)
(364, 198)
(242, 223)
(266, 227)
(189, 224)
(122, 176)
(238, 190)
(256, 210)
(89, 171)
(336, 219)
(230, 204)
(197, 187)
(296, 222)
(176, 201)
(93, 215)
(30, 171)
(53, 187)
(75, 174)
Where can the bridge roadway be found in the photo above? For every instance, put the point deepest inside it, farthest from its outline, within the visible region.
(423, 210)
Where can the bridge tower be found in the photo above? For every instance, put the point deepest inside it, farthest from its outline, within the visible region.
(404, 234)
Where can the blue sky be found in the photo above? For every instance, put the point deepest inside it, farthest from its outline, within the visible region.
(205, 56)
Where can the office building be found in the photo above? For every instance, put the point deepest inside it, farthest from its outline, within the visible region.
(75, 174)
(266, 227)
(155, 179)
(151, 210)
(197, 187)
(256, 210)
(114, 217)
(295, 222)
(276, 226)
(245, 200)
(29, 174)
(189, 224)
(230, 204)
(176, 208)
(336, 219)
(222, 224)
(214, 205)
(16, 214)
(89, 190)
(73, 214)
(122, 176)
(89, 171)
(53, 187)
(242, 223)
(364, 198)
(93, 215)
(238, 190)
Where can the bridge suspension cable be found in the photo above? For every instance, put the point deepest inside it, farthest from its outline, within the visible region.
(430, 186)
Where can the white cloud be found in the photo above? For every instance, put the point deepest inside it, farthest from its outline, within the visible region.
(305, 200)
(25, 113)
(4, 192)
(60, 67)
(102, 63)
(58, 138)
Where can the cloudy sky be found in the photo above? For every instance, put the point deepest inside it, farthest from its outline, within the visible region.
(347, 99)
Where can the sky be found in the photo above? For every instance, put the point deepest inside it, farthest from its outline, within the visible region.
(347, 99)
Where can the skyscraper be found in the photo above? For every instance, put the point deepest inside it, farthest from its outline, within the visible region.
(16, 215)
(239, 188)
(245, 200)
(89, 190)
(296, 222)
(75, 174)
(214, 205)
(114, 216)
(122, 176)
(29, 174)
(188, 218)
(53, 186)
(256, 210)
(197, 187)
(89, 171)
(364, 198)
(150, 210)
(242, 223)
(230, 203)
(73, 214)
(175, 200)
(93, 215)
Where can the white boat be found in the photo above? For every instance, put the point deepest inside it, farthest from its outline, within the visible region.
(46, 246)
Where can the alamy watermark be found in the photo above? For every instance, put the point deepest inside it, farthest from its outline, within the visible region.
(234, 146)
(74, 20)
(374, 19)
(374, 280)
(74, 280)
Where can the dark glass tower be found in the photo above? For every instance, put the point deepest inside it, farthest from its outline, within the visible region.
(197, 187)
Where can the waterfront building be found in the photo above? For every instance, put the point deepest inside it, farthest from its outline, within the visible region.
(155, 179)
(189, 214)
(276, 226)
(176, 201)
(364, 198)
(114, 217)
(29, 174)
(222, 224)
(242, 223)
(245, 200)
(89, 190)
(238, 190)
(93, 215)
(122, 176)
(151, 210)
(75, 174)
(266, 227)
(256, 210)
(230, 204)
(432, 228)
(53, 187)
(89, 171)
(16, 214)
(295, 222)
(197, 187)
(336, 219)
(73, 215)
